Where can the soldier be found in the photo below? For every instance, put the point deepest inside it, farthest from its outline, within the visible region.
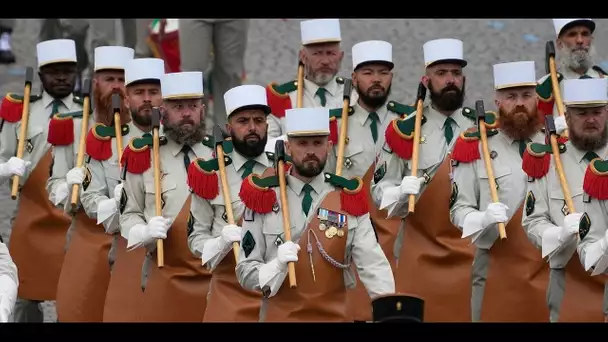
(6, 30)
(551, 224)
(325, 212)
(211, 235)
(176, 292)
(124, 292)
(322, 57)
(576, 50)
(515, 280)
(428, 246)
(9, 283)
(39, 229)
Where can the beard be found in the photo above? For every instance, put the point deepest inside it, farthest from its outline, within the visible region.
(577, 58)
(310, 167)
(449, 98)
(588, 141)
(375, 96)
(142, 115)
(248, 148)
(184, 135)
(320, 78)
(519, 123)
(104, 110)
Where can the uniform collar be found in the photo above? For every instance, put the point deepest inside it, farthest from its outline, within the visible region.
(297, 185)
(175, 148)
(238, 160)
(537, 137)
(47, 100)
(580, 154)
(438, 119)
(332, 87)
(361, 114)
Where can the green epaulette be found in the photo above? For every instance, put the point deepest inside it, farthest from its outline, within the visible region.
(474, 135)
(539, 150)
(74, 115)
(285, 88)
(401, 109)
(490, 118)
(544, 90)
(226, 145)
(336, 113)
(18, 98)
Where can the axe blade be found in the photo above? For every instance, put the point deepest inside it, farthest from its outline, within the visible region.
(550, 126)
(155, 117)
(279, 152)
(29, 75)
(421, 92)
(480, 111)
(116, 102)
(348, 88)
(86, 87)
(218, 135)
(549, 52)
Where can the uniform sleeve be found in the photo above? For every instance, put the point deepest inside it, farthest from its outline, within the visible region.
(372, 265)
(591, 249)
(96, 191)
(56, 185)
(8, 140)
(252, 252)
(536, 217)
(465, 193)
(201, 240)
(134, 208)
(274, 126)
(388, 175)
(7, 266)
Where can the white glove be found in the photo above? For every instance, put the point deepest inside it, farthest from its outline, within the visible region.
(156, 228)
(560, 124)
(410, 185)
(75, 176)
(60, 193)
(286, 253)
(118, 192)
(495, 212)
(8, 297)
(14, 166)
(570, 227)
(231, 233)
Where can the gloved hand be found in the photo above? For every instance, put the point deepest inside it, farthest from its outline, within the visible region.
(231, 233)
(75, 176)
(14, 166)
(570, 227)
(410, 185)
(8, 297)
(560, 124)
(118, 192)
(156, 228)
(286, 253)
(495, 212)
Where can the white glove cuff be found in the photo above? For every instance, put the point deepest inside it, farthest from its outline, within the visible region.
(105, 209)
(136, 236)
(472, 223)
(60, 194)
(272, 275)
(211, 249)
(551, 240)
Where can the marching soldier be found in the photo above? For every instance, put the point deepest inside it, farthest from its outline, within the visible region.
(39, 229)
(211, 234)
(514, 273)
(554, 221)
(9, 283)
(428, 246)
(124, 291)
(6, 31)
(574, 40)
(176, 292)
(327, 222)
(321, 58)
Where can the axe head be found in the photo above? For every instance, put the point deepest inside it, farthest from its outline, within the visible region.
(549, 52)
(480, 111)
(279, 152)
(29, 75)
(116, 102)
(218, 135)
(549, 126)
(86, 87)
(348, 88)
(421, 92)
(155, 117)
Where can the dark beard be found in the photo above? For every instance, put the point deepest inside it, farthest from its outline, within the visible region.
(519, 126)
(587, 143)
(447, 101)
(371, 100)
(310, 171)
(182, 136)
(140, 117)
(249, 149)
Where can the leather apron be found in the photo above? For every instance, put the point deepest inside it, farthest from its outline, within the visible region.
(228, 301)
(517, 280)
(434, 261)
(359, 301)
(178, 291)
(38, 236)
(323, 300)
(125, 295)
(583, 294)
(83, 283)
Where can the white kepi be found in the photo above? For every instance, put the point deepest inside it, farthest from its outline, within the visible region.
(56, 51)
(443, 50)
(141, 69)
(112, 57)
(586, 92)
(514, 74)
(320, 31)
(182, 85)
(560, 24)
(307, 122)
(246, 96)
(377, 51)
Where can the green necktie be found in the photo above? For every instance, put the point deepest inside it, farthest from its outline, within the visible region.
(447, 130)
(186, 149)
(523, 144)
(55, 109)
(307, 200)
(589, 156)
(321, 94)
(374, 118)
(248, 166)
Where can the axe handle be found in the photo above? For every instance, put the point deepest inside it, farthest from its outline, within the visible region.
(342, 139)
(291, 268)
(416, 150)
(490, 171)
(226, 194)
(84, 128)
(557, 95)
(563, 182)
(118, 132)
(300, 91)
(160, 251)
(25, 116)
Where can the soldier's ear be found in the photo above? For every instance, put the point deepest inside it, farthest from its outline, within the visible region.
(302, 55)
(425, 80)
(341, 55)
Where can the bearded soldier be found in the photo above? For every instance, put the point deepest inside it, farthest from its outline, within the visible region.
(326, 220)
(550, 223)
(124, 292)
(321, 56)
(210, 234)
(38, 231)
(9, 283)
(176, 292)
(428, 246)
(574, 42)
(515, 276)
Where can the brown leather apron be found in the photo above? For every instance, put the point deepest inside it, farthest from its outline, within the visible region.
(38, 237)
(323, 300)
(124, 297)
(434, 261)
(583, 296)
(359, 302)
(517, 280)
(83, 283)
(228, 301)
(178, 291)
